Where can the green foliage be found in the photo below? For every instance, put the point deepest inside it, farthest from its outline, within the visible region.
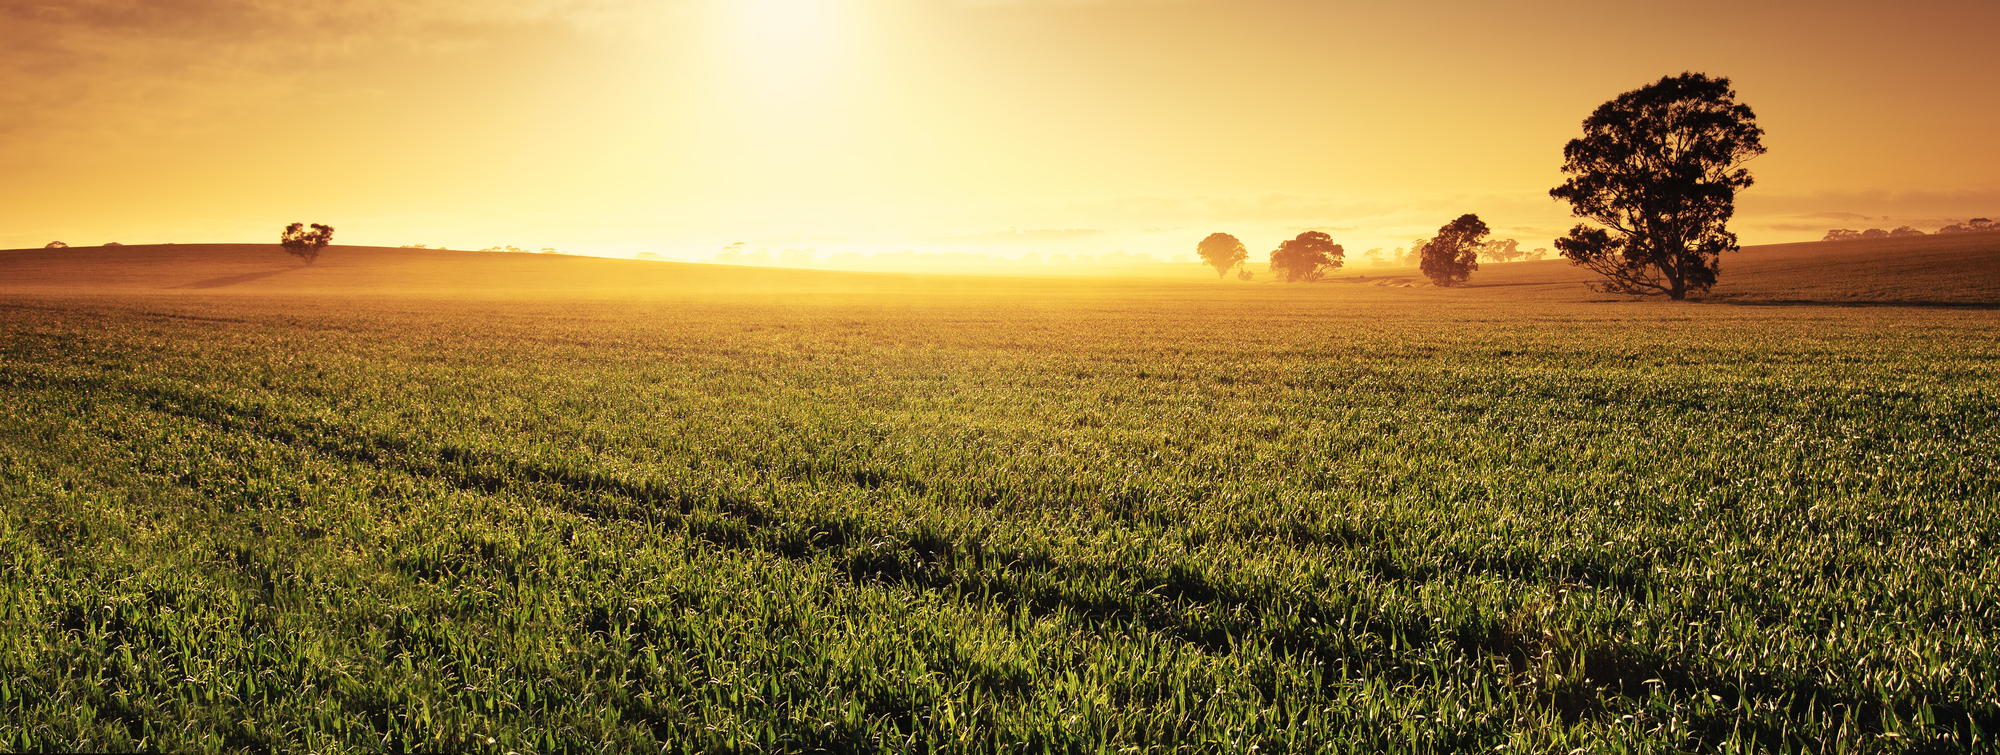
(335, 525)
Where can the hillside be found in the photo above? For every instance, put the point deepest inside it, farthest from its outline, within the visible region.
(1961, 269)
(363, 270)
(1957, 270)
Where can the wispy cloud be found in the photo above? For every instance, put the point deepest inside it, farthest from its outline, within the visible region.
(1860, 205)
(1796, 217)
(1042, 235)
(89, 72)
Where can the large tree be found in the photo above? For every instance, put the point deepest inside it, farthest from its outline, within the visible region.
(1307, 257)
(305, 244)
(1450, 257)
(1222, 252)
(1657, 171)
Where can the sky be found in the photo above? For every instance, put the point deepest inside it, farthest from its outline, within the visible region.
(616, 127)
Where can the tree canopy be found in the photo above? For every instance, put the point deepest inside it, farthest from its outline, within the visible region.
(1222, 252)
(305, 244)
(1306, 258)
(1657, 171)
(1450, 258)
(1975, 225)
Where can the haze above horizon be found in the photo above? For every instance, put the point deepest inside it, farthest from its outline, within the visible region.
(1007, 127)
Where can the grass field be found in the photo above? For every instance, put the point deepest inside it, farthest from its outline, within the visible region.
(447, 501)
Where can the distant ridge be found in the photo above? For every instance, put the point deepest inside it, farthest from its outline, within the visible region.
(1945, 269)
(375, 270)
(1952, 270)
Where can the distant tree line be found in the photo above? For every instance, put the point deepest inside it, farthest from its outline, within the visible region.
(1306, 258)
(1447, 259)
(1312, 254)
(1656, 175)
(1975, 225)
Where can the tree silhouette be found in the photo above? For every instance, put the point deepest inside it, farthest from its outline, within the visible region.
(55, 245)
(305, 244)
(1658, 169)
(1222, 252)
(1302, 259)
(1449, 258)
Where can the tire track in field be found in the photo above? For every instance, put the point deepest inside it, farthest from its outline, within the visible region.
(1183, 600)
(922, 557)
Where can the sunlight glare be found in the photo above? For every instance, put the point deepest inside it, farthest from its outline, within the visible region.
(784, 48)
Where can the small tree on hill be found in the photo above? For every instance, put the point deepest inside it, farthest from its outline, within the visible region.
(1657, 170)
(1222, 252)
(305, 244)
(1307, 257)
(55, 245)
(1450, 258)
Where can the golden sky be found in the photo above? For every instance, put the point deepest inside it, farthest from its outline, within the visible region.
(678, 126)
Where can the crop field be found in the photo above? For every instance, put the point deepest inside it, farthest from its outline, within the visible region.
(1027, 516)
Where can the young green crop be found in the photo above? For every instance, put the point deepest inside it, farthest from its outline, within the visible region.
(999, 524)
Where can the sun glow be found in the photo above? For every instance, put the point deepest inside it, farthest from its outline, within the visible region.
(678, 127)
(783, 50)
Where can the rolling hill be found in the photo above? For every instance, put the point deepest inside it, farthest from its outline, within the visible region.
(1955, 270)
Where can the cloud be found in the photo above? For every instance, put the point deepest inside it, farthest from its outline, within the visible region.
(104, 76)
(1767, 218)
(1294, 209)
(1861, 205)
(233, 19)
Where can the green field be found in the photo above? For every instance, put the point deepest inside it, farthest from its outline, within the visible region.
(449, 501)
